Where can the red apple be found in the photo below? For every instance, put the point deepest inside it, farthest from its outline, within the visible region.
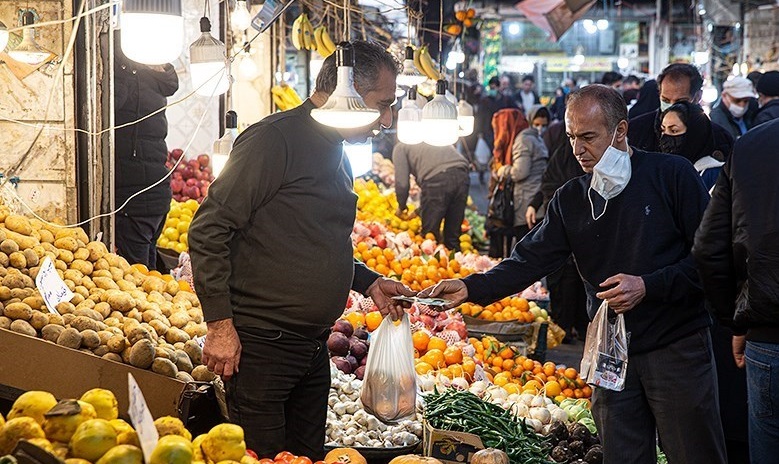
(177, 185)
(191, 182)
(204, 160)
(176, 153)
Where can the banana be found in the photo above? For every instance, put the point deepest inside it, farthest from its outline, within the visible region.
(428, 66)
(321, 47)
(308, 34)
(297, 33)
(417, 63)
(278, 97)
(327, 41)
(292, 96)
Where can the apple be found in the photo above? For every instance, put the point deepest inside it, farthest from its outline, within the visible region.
(176, 153)
(203, 160)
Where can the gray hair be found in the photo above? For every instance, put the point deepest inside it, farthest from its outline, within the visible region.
(608, 99)
(369, 59)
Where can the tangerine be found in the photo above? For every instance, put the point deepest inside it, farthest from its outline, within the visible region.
(372, 320)
(436, 343)
(453, 355)
(553, 389)
(571, 373)
(356, 318)
(423, 368)
(435, 358)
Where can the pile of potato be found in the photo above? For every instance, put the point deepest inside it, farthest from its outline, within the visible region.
(118, 312)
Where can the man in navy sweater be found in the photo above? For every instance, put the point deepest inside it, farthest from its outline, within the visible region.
(629, 223)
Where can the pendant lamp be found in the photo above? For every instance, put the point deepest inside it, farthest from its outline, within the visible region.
(208, 63)
(360, 156)
(345, 108)
(28, 51)
(410, 75)
(3, 36)
(240, 17)
(439, 119)
(152, 31)
(465, 119)
(410, 129)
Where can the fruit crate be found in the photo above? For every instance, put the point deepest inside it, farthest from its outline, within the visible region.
(530, 336)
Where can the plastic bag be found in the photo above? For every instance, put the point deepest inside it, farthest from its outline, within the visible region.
(605, 359)
(389, 389)
(482, 152)
(501, 205)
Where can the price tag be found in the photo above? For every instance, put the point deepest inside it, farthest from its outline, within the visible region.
(50, 285)
(201, 341)
(141, 418)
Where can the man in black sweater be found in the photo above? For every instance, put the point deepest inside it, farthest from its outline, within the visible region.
(629, 223)
(272, 258)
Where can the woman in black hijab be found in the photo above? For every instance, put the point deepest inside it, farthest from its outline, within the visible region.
(648, 99)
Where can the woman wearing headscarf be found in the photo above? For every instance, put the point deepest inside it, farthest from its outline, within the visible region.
(648, 99)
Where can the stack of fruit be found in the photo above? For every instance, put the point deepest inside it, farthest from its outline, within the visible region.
(192, 177)
(513, 308)
(348, 345)
(175, 234)
(374, 206)
(434, 356)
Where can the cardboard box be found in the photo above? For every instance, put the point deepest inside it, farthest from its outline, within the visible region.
(450, 447)
(34, 364)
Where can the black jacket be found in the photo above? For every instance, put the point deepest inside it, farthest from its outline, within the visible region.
(737, 244)
(767, 112)
(141, 151)
(562, 165)
(642, 134)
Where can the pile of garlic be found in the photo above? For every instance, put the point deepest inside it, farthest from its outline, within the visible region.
(537, 410)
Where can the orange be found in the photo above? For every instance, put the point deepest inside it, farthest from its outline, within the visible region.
(497, 361)
(512, 388)
(356, 318)
(362, 246)
(571, 373)
(167, 277)
(578, 393)
(141, 268)
(435, 358)
(486, 315)
(587, 391)
(499, 317)
(456, 370)
(184, 286)
(549, 369)
(436, 343)
(372, 320)
(446, 373)
(531, 384)
(375, 252)
(508, 364)
(568, 393)
(501, 379)
(389, 254)
(453, 355)
(521, 304)
(507, 353)
(382, 269)
(553, 389)
(469, 367)
(423, 368)
(371, 263)
(559, 399)
(465, 309)
(528, 364)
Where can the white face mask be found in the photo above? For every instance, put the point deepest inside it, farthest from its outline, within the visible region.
(664, 106)
(736, 110)
(610, 175)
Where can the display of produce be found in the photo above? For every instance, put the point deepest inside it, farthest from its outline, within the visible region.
(191, 178)
(515, 309)
(285, 97)
(425, 63)
(574, 444)
(348, 345)
(175, 234)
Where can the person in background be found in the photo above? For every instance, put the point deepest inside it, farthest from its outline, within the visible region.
(273, 261)
(612, 79)
(733, 111)
(569, 85)
(489, 104)
(648, 100)
(678, 82)
(630, 224)
(442, 175)
(737, 253)
(140, 153)
(768, 97)
(754, 77)
(527, 96)
(507, 88)
(630, 87)
(557, 108)
(685, 130)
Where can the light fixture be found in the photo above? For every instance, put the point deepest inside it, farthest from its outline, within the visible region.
(465, 119)
(410, 129)
(578, 59)
(744, 69)
(513, 29)
(457, 54)
(602, 24)
(700, 58)
(247, 68)
(589, 26)
(701, 9)
(736, 69)
(439, 119)
(224, 145)
(622, 62)
(3, 36)
(360, 156)
(152, 31)
(410, 76)
(208, 63)
(240, 17)
(709, 94)
(28, 51)
(345, 108)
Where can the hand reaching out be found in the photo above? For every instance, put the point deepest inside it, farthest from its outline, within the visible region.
(382, 290)
(452, 290)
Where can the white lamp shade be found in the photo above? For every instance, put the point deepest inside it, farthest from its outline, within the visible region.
(28, 51)
(360, 156)
(208, 63)
(3, 36)
(218, 162)
(410, 129)
(240, 17)
(439, 119)
(410, 76)
(247, 68)
(345, 108)
(465, 119)
(152, 38)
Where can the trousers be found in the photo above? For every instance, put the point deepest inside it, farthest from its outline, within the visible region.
(762, 361)
(136, 238)
(443, 198)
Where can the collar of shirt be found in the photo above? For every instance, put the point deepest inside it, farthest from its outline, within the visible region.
(329, 133)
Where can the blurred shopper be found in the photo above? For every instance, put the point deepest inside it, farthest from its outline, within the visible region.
(557, 108)
(733, 111)
(442, 175)
(630, 87)
(569, 85)
(612, 79)
(489, 104)
(685, 130)
(280, 213)
(768, 97)
(527, 96)
(737, 252)
(648, 100)
(754, 77)
(140, 91)
(678, 82)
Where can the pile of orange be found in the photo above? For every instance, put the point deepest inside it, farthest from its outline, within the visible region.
(508, 309)
(434, 356)
(506, 368)
(183, 284)
(370, 320)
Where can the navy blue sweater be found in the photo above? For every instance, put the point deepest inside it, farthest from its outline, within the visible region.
(646, 231)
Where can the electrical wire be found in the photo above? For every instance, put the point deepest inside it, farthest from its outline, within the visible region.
(66, 20)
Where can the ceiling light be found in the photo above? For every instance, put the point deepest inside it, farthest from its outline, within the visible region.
(360, 156)
(700, 58)
(439, 118)
(240, 17)
(3, 36)
(345, 108)
(622, 62)
(208, 63)
(589, 26)
(410, 128)
(578, 59)
(465, 119)
(513, 29)
(247, 68)
(410, 76)
(152, 31)
(709, 94)
(602, 24)
(28, 51)
(456, 54)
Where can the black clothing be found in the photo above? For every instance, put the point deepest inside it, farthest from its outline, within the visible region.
(696, 142)
(767, 112)
(280, 214)
(737, 245)
(646, 231)
(722, 116)
(444, 198)
(141, 151)
(562, 165)
(642, 132)
(488, 106)
(136, 237)
(557, 109)
(629, 95)
(648, 100)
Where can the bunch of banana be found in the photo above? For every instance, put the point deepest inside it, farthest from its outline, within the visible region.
(324, 44)
(303, 33)
(284, 97)
(424, 63)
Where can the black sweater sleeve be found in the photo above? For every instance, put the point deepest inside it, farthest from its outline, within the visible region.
(363, 277)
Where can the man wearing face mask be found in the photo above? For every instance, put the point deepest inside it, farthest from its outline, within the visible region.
(678, 82)
(490, 103)
(629, 223)
(734, 111)
(768, 91)
(277, 220)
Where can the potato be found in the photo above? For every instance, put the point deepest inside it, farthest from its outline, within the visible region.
(142, 354)
(21, 311)
(90, 313)
(2, 230)
(85, 267)
(67, 318)
(174, 335)
(5, 293)
(121, 302)
(184, 377)
(196, 330)
(88, 283)
(153, 284)
(125, 285)
(116, 274)
(86, 304)
(179, 319)
(8, 246)
(56, 319)
(106, 283)
(39, 320)
(194, 352)
(15, 280)
(90, 339)
(46, 236)
(35, 302)
(114, 319)
(4, 260)
(70, 338)
(183, 363)
(164, 367)
(155, 297)
(5, 323)
(113, 357)
(104, 309)
(66, 307)
(65, 255)
(70, 284)
(159, 327)
(202, 374)
(160, 352)
(116, 344)
(60, 265)
(18, 260)
(73, 275)
(51, 332)
(103, 273)
(136, 334)
(24, 241)
(134, 314)
(154, 335)
(83, 291)
(105, 335)
(100, 350)
(81, 254)
(23, 327)
(78, 299)
(150, 315)
(19, 224)
(171, 287)
(31, 257)
(66, 243)
(82, 323)
(102, 265)
(96, 250)
(195, 315)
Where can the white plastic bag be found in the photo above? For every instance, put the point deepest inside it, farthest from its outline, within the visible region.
(389, 389)
(482, 152)
(605, 359)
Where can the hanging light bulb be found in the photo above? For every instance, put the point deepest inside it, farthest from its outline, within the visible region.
(152, 31)
(345, 108)
(465, 119)
(247, 68)
(602, 24)
(208, 63)
(360, 156)
(3, 36)
(457, 55)
(240, 17)
(28, 51)
(410, 129)
(439, 118)
(410, 75)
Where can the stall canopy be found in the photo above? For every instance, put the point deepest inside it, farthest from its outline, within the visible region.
(554, 16)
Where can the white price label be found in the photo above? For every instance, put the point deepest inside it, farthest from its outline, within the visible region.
(50, 285)
(201, 341)
(141, 418)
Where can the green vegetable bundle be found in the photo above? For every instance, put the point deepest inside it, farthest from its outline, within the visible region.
(462, 411)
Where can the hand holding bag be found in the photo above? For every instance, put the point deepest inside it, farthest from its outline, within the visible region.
(605, 360)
